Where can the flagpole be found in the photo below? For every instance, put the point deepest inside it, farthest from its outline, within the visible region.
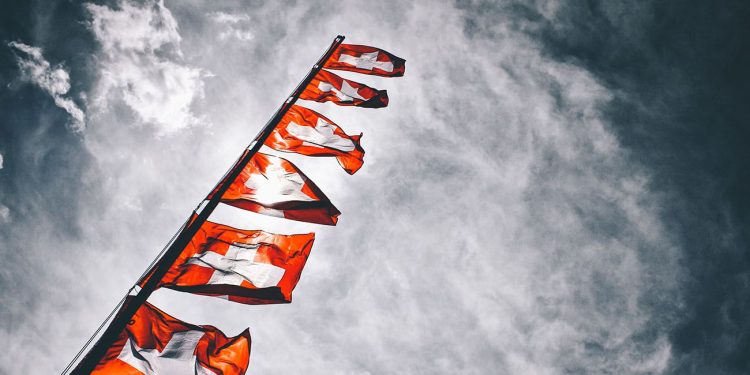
(134, 302)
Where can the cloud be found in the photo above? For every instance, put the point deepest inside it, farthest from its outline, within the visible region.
(4, 210)
(222, 17)
(4, 214)
(53, 80)
(498, 225)
(662, 115)
(232, 26)
(140, 65)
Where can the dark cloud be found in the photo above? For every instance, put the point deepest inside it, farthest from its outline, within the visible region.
(45, 178)
(678, 72)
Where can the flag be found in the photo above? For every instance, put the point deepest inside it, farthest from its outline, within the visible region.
(328, 87)
(273, 186)
(156, 343)
(307, 132)
(246, 266)
(366, 60)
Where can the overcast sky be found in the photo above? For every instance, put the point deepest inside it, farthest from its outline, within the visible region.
(555, 187)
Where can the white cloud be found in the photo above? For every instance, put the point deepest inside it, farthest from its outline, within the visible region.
(242, 35)
(4, 210)
(54, 80)
(232, 26)
(222, 17)
(140, 54)
(4, 214)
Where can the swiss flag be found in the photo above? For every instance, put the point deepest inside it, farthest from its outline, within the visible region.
(366, 60)
(246, 266)
(328, 87)
(307, 132)
(156, 343)
(273, 186)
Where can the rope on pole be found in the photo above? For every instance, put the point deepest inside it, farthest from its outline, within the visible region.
(132, 304)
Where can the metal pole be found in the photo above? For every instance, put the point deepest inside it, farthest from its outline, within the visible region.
(133, 303)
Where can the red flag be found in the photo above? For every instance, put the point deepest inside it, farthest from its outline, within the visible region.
(245, 266)
(366, 60)
(307, 132)
(156, 343)
(328, 87)
(273, 186)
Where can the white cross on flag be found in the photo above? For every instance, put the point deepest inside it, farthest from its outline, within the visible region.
(246, 266)
(307, 132)
(329, 87)
(154, 343)
(273, 186)
(366, 60)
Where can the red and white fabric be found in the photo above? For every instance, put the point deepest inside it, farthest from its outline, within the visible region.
(246, 266)
(366, 60)
(273, 186)
(154, 343)
(307, 132)
(329, 87)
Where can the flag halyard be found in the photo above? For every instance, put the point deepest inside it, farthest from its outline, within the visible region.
(273, 186)
(366, 60)
(245, 266)
(329, 87)
(307, 132)
(154, 342)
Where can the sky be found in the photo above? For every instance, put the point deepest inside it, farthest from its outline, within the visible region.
(555, 187)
